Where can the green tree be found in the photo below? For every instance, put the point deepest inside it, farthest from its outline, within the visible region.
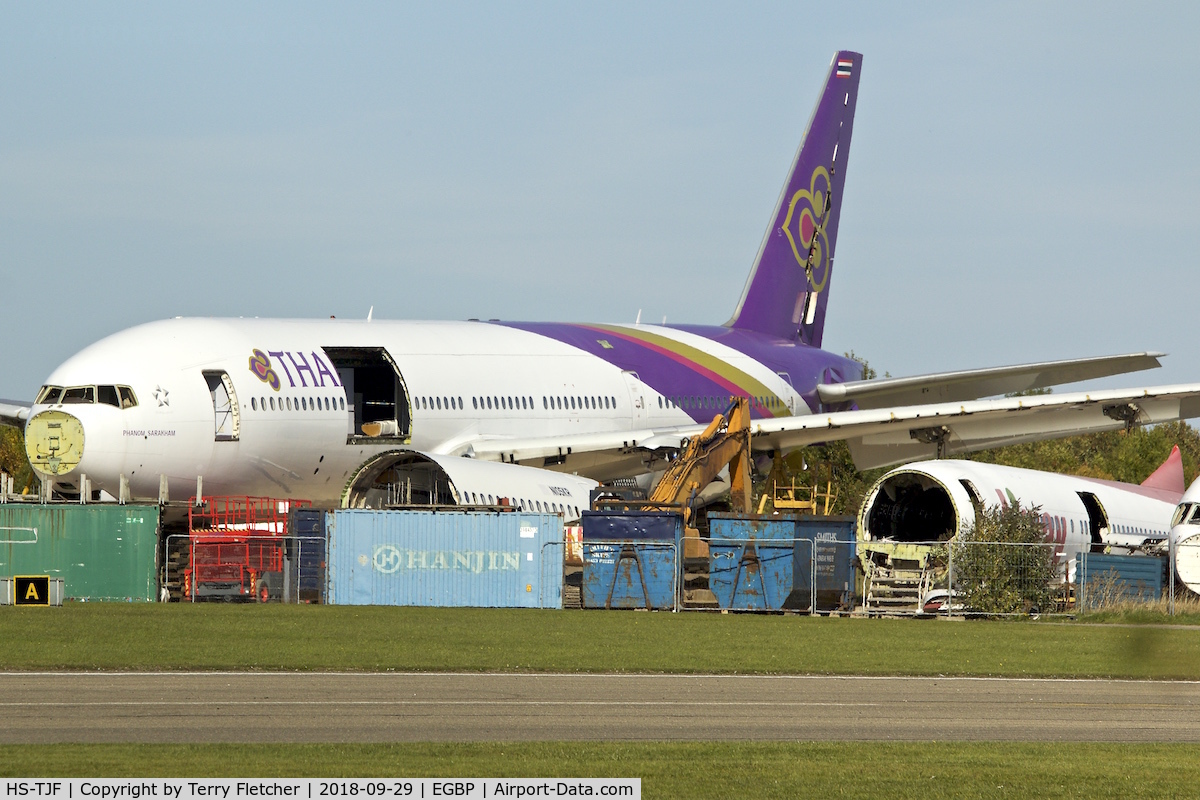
(1128, 456)
(13, 460)
(826, 466)
(1003, 564)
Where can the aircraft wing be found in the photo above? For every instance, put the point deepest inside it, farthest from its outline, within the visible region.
(954, 387)
(881, 437)
(14, 412)
(877, 437)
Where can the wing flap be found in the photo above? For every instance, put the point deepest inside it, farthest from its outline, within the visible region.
(954, 387)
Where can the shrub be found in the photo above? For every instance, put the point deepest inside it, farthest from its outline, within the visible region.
(1003, 564)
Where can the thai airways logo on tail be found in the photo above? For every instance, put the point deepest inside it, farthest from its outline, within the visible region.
(788, 288)
(804, 231)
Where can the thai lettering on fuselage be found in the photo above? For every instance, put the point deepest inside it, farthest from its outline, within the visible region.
(310, 370)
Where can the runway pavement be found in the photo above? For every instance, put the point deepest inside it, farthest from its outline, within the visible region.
(398, 707)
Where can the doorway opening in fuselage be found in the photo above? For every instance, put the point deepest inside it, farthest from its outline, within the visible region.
(1097, 520)
(226, 421)
(378, 407)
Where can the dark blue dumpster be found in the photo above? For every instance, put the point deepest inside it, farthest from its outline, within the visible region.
(751, 561)
(829, 541)
(307, 554)
(630, 559)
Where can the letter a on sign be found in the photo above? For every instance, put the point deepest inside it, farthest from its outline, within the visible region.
(32, 590)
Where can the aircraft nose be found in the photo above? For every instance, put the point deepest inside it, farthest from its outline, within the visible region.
(54, 442)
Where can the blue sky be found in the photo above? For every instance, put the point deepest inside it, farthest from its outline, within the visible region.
(1022, 183)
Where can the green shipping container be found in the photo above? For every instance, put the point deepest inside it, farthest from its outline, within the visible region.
(102, 552)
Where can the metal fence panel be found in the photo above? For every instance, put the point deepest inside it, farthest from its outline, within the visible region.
(832, 552)
(423, 558)
(1009, 577)
(965, 577)
(1107, 580)
(1017, 578)
(241, 567)
(102, 552)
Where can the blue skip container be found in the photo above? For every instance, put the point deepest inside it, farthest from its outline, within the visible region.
(769, 563)
(751, 561)
(630, 559)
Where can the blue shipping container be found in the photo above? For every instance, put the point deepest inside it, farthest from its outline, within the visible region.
(630, 559)
(425, 558)
(1110, 578)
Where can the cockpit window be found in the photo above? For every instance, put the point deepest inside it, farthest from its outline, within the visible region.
(79, 394)
(117, 396)
(107, 395)
(49, 394)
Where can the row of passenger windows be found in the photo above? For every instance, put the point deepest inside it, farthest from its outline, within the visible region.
(119, 396)
(299, 404)
(1135, 530)
(594, 403)
(714, 402)
(496, 403)
(573, 403)
(439, 403)
(1059, 525)
(547, 507)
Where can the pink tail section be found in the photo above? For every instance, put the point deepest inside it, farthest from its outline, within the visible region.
(1169, 476)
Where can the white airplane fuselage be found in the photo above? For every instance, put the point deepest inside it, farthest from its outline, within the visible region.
(294, 425)
(937, 499)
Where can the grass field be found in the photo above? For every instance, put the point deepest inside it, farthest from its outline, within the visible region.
(693, 770)
(113, 636)
(213, 637)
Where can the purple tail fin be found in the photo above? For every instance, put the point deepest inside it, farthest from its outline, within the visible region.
(788, 287)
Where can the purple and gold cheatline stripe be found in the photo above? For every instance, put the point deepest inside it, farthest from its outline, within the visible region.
(738, 383)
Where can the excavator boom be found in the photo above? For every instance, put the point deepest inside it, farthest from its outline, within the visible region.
(725, 441)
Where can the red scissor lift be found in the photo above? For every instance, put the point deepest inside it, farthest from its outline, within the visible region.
(236, 548)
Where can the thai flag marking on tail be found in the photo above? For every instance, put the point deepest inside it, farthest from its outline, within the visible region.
(844, 66)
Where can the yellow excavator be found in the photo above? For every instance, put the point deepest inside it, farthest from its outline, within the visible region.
(725, 441)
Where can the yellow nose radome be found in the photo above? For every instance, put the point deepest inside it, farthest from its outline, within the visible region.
(54, 442)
